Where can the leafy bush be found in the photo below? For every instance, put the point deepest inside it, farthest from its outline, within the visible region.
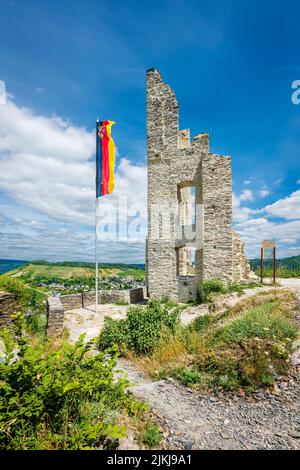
(201, 323)
(24, 295)
(121, 302)
(188, 377)
(142, 328)
(30, 301)
(115, 332)
(206, 288)
(60, 399)
(152, 436)
(248, 350)
(36, 322)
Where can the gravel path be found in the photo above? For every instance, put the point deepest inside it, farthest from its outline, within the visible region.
(191, 420)
(198, 421)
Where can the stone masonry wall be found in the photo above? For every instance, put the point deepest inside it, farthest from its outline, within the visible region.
(56, 306)
(240, 263)
(73, 301)
(217, 205)
(176, 162)
(8, 307)
(55, 316)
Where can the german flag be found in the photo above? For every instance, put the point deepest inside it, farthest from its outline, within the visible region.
(105, 159)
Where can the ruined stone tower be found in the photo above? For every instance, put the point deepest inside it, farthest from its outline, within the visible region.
(190, 236)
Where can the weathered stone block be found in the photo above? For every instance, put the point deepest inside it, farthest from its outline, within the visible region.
(8, 306)
(55, 316)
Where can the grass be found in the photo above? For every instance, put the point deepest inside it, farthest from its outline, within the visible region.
(24, 294)
(242, 348)
(210, 289)
(266, 322)
(121, 302)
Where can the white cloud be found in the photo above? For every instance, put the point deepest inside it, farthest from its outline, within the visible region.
(264, 192)
(241, 213)
(247, 182)
(253, 228)
(46, 164)
(287, 208)
(47, 168)
(298, 181)
(247, 195)
(253, 231)
(288, 241)
(47, 241)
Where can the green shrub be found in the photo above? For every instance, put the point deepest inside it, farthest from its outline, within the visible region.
(188, 377)
(60, 399)
(152, 436)
(142, 328)
(245, 347)
(221, 368)
(121, 302)
(235, 287)
(115, 332)
(36, 322)
(201, 323)
(249, 350)
(206, 288)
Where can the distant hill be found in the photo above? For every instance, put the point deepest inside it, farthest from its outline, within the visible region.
(89, 264)
(293, 262)
(285, 267)
(9, 264)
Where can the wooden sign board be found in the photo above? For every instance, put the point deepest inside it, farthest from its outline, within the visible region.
(268, 244)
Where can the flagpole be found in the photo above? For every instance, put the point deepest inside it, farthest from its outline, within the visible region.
(96, 233)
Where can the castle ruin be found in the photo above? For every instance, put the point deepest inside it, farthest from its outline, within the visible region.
(190, 236)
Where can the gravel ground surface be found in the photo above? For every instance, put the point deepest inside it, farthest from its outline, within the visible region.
(190, 420)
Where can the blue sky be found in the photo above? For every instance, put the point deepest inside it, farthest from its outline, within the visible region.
(231, 64)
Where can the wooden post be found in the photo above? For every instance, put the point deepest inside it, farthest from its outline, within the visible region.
(261, 265)
(274, 265)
